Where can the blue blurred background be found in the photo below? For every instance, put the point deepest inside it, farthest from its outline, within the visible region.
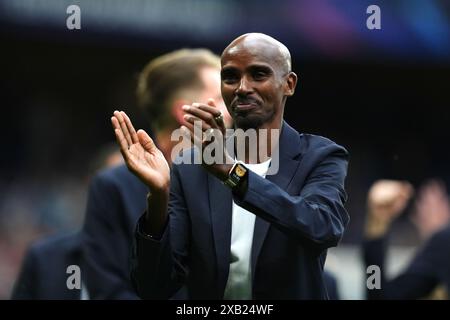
(384, 94)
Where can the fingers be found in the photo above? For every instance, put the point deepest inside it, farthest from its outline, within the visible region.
(387, 191)
(124, 132)
(201, 114)
(123, 126)
(119, 136)
(145, 141)
(207, 113)
(194, 135)
(404, 192)
(388, 198)
(218, 117)
(407, 189)
(190, 119)
(132, 131)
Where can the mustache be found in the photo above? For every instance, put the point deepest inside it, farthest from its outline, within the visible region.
(246, 100)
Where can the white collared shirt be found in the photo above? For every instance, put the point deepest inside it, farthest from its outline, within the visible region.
(239, 284)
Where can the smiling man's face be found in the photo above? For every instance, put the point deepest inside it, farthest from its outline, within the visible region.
(255, 81)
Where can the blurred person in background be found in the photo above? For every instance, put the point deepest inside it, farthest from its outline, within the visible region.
(116, 197)
(43, 273)
(428, 274)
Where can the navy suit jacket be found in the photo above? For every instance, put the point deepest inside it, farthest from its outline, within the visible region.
(116, 199)
(299, 214)
(43, 274)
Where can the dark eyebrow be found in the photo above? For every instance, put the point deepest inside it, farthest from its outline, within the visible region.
(253, 67)
(260, 67)
(228, 69)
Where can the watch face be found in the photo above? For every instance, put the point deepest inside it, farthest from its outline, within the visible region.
(240, 171)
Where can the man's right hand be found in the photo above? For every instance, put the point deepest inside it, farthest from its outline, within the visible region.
(141, 155)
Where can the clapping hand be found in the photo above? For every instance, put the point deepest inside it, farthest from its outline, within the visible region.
(141, 155)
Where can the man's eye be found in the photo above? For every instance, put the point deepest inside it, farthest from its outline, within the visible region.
(229, 78)
(259, 75)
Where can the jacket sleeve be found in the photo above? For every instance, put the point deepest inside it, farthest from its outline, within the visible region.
(315, 216)
(106, 246)
(160, 266)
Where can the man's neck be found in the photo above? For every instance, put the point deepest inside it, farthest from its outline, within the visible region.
(269, 140)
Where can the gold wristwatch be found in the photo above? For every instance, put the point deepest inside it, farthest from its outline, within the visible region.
(237, 173)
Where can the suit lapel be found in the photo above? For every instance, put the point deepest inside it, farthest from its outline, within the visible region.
(220, 203)
(289, 148)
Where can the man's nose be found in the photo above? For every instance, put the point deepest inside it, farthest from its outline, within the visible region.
(244, 86)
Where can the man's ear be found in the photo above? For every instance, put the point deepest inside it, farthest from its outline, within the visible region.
(290, 84)
(176, 112)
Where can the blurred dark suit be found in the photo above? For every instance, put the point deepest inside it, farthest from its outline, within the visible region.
(429, 268)
(43, 274)
(116, 199)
